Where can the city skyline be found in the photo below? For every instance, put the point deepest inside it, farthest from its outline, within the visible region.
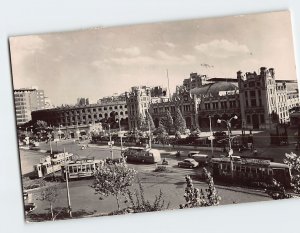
(98, 62)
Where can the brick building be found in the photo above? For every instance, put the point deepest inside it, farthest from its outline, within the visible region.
(84, 115)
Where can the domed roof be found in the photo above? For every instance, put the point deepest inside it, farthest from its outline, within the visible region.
(214, 88)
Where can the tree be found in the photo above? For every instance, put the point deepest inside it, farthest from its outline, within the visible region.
(169, 122)
(179, 123)
(162, 135)
(50, 195)
(113, 179)
(277, 191)
(142, 123)
(150, 121)
(195, 197)
(293, 161)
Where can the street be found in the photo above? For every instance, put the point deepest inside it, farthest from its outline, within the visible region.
(171, 183)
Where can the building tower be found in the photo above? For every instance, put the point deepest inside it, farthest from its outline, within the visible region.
(258, 98)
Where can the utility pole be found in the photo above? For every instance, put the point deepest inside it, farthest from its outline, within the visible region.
(211, 137)
(230, 152)
(121, 136)
(67, 184)
(110, 143)
(150, 142)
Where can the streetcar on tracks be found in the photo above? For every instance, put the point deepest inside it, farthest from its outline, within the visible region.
(80, 168)
(51, 164)
(250, 171)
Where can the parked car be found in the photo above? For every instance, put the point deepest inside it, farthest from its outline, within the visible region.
(188, 163)
(29, 207)
(84, 147)
(191, 153)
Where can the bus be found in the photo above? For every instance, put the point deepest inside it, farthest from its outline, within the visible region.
(51, 163)
(251, 171)
(81, 168)
(142, 155)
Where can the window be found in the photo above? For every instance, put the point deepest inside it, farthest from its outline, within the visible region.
(248, 119)
(252, 93)
(253, 103)
(110, 108)
(105, 108)
(207, 106)
(116, 107)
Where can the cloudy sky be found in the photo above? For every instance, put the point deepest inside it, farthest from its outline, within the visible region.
(99, 62)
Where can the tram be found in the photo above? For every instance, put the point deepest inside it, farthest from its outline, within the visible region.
(81, 168)
(51, 163)
(247, 171)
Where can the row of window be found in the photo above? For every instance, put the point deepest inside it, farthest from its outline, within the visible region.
(94, 116)
(253, 103)
(220, 105)
(89, 110)
(165, 109)
(261, 117)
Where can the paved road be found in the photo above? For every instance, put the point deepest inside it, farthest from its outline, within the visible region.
(172, 183)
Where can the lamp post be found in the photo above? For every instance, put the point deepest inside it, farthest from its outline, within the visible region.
(211, 137)
(67, 185)
(110, 143)
(230, 152)
(120, 134)
(59, 132)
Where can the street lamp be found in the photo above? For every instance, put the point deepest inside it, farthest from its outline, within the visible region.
(110, 143)
(120, 134)
(230, 152)
(211, 137)
(59, 132)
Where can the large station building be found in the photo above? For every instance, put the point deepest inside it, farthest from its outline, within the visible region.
(259, 100)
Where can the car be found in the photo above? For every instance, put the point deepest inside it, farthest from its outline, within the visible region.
(191, 153)
(25, 195)
(188, 163)
(29, 207)
(84, 147)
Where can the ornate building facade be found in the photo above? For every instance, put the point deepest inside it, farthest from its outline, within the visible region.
(254, 98)
(262, 98)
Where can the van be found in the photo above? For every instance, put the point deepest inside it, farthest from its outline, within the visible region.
(201, 158)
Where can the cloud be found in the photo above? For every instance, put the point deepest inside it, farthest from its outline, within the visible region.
(222, 49)
(158, 58)
(131, 51)
(170, 44)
